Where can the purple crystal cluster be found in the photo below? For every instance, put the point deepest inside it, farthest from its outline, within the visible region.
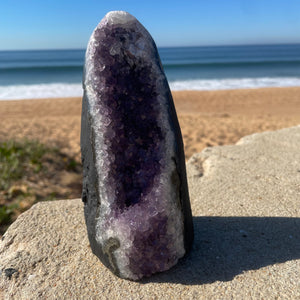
(134, 186)
(134, 137)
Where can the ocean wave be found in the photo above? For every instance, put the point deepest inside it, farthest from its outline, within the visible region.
(44, 68)
(36, 91)
(230, 63)
(183, 64)
(56, 90)
(233, 83)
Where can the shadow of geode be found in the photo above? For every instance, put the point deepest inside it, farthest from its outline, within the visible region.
(227, 246)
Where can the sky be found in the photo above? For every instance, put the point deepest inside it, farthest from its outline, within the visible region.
(68, 24)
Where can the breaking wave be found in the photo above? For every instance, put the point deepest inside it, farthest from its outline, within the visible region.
(58, 90)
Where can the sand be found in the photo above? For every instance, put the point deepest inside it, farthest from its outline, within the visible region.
(207, 118)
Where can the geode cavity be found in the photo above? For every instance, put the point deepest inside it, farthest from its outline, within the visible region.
(135, 192)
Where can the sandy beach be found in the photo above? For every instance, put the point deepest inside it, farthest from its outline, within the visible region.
(207, 118)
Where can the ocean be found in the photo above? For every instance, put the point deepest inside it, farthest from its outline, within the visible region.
(58, 73)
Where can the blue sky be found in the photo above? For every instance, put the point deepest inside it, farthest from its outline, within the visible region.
(56, 24)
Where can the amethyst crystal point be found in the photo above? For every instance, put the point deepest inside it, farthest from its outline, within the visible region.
(135, 192)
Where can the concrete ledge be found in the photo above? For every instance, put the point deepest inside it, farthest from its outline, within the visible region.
(246, 206)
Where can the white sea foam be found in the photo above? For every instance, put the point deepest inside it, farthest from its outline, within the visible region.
(36, 91)
(56, 90)
(227, 84)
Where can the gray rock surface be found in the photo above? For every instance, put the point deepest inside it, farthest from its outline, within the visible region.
(246, 205)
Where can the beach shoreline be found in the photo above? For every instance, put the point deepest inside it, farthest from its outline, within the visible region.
(207, 118)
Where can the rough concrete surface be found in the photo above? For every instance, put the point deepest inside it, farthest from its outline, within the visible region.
(246, 206)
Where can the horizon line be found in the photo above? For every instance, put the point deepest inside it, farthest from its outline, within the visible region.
(160, 47)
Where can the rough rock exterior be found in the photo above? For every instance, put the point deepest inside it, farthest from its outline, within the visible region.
(245, 202)
(135, 192)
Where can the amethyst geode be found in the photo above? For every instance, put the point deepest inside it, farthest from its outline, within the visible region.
(137, 208)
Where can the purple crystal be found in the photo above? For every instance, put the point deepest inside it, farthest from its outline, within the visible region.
(137, 206)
